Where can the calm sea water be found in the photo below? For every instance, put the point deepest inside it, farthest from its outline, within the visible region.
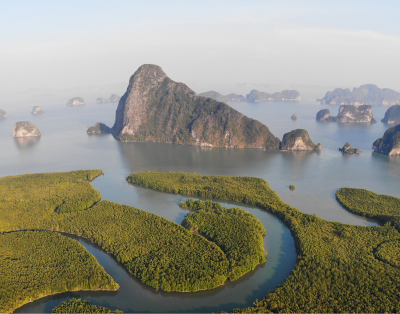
(64, 146)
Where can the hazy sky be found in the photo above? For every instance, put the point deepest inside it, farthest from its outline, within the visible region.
(206, 44)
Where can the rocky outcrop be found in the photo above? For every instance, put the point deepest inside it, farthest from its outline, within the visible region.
(285, 95)
(158, 109)
(113, 98)
(367, 94)
(98, 128)
(351, 113)
(216, 96)
(392, 115)
(37, 110)
(347, 149)
(76, 101)
(325, 115)
(25, 129)
(3, 114)
(294, 116)
(389, 144)
(298, 140)
(236, 97)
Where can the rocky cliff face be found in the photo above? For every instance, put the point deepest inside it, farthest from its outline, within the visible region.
(37, 110)
(368, 94)
(347, 149)
(25, 129)
(157, 109)
(76, 101)
(3, 114)
(325, 115)
(389, 144)
(392, 115)
(351, 113)
(298, 140)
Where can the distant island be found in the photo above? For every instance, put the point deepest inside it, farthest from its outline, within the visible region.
(3, 114)
(158, 109)
(368, 94)
(113, 98)
(348, 113)
(254, 96)
(37, 110)
(76, 101)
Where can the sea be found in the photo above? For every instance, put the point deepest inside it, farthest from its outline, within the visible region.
(64, 146)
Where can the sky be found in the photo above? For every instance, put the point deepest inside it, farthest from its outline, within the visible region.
(209, 45)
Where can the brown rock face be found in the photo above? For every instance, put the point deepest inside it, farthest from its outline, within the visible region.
(25, 129)
(157, 109)
(298, 139)
(351, 113)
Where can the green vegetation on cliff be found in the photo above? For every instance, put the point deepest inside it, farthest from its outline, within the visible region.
(34, 264)
(237, 232)
(336, 269)
(81, 306)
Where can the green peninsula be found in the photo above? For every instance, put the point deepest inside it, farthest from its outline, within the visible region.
(237, 232)
(34, 264)
(337, 268)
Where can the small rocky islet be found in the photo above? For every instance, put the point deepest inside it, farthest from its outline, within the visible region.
(37, 110)
(347, 149)
(25, 129)
(76, 101)
(298, 139)
(112, 98)
(3, 114)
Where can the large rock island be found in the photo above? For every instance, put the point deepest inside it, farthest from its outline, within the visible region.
(298, 139)
(25, 129)
(348, 113)
(158, 109)
(76, 101)
(392, 115)
(389, 144)
(368, 94)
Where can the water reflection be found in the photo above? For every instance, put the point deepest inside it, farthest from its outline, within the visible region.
(172, 157)
(26, 143)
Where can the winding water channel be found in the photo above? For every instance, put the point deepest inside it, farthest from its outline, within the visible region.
(64, 146)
